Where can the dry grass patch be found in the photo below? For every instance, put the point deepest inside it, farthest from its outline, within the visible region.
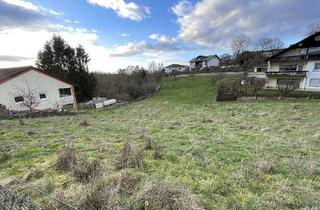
(87, 170)
(112, 193)
(131, 157)
(267, 165)
(84, 123)
(161, 194)
(67, 159)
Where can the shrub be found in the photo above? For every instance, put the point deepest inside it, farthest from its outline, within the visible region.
(228, 89)
(4, 155)
(67, 159)
(267, 165)
(125, 86)
(149, 144)
(157, 154)
(162, 194)
(84, 123)
(130, 157)
(111, 193)
(86, 170)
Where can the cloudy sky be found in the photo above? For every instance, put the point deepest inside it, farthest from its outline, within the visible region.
(118, 33)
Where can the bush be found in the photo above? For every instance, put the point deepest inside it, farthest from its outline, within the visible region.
(127, 87)
(112, 193)
(228, 89)
(131, 157)
(86, 170)
(157, 154)
(162, 194)
(4, 155)
(67, 159)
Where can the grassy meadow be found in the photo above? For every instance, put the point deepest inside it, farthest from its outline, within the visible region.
(230, 155)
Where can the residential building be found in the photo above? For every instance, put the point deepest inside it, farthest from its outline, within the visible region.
(175, 68)
(298, 65)
(24, 85)
(202, 62)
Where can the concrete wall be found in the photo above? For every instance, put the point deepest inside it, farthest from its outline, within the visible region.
(38, 82)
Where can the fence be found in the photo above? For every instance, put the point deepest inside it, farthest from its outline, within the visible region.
(10, 200)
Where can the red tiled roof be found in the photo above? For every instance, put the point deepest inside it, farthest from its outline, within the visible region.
(7, 74)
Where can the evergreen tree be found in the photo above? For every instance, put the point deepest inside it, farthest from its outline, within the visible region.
(62, 61)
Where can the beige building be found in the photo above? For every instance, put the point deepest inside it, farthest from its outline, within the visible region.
(298, 65)
(19, 86)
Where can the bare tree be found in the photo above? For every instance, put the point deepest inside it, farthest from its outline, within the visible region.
(314, 28)
(265, 44)
(30, 97)
(285, 88)
(153, 66)
(240, 44)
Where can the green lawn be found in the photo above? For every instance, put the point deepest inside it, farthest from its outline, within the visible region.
(241, 155)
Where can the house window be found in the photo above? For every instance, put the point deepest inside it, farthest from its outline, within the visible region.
(314, 83)
(19, 99)
(317, 66)
(314, 50)
(300, 67)
(43, 96)
(288, 67)
(64, 92)
(317, 38)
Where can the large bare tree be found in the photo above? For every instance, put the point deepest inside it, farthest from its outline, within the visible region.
(266, 44)
(240, 44)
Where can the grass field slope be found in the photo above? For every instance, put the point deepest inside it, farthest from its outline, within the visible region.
(241, 155)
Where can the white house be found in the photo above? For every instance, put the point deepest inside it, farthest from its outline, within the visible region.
(175, 68)
(298, 65)
(19, 86)
(201, 62)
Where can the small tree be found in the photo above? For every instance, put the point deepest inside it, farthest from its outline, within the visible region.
(240, 44)
(257, 85)
(29, 97)
(285, 88)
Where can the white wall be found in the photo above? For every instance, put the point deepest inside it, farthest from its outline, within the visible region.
(36, 81)
(312, 74)
(170, 69)
(213, 62)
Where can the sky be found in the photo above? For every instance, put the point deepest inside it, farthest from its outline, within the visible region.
(119, 33)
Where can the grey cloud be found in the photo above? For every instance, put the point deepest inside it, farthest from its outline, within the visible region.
(10, 58)
(14, 16)
(215, 22)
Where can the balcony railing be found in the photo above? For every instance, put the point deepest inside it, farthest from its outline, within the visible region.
(287, 73)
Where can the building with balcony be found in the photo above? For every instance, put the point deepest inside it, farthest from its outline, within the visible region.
(298, 65)
(27, 87)
(202, 62)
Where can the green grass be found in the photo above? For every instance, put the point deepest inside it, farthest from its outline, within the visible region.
(220, 151)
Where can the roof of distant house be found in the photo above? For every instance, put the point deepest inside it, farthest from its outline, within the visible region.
(7, 74)
(204, 58)
(175, 66)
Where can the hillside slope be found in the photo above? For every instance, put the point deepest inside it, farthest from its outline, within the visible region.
(244, 155)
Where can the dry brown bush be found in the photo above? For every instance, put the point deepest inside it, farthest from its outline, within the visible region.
(112, 193)
(86, 170)
(149, 144)
(67, 159)
(84, 123)
(131, 157)
(162, 194)
(157, 154)
(4, 155)
(267, 165)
